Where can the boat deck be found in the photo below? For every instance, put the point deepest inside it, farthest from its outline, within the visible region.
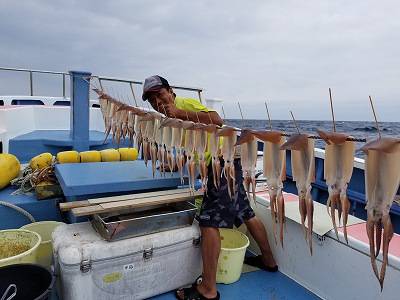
(258, 285)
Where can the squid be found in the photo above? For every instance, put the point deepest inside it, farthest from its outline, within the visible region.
(179, 148)
(189, 150)
(303, 171)
(228, 152)
(200, 145)
(116, 126)
(274, 169)
(111, 109)
(103, 101)
(213, 148)
(159, 133)
(338, 168)
(248, 157)
(131, 126)
(382, 178)
(147, 130)
(177, 132)
(170, 136)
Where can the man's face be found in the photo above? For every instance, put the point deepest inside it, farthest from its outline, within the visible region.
(161, 97)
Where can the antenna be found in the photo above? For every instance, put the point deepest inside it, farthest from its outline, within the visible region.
(295, 123)
(376, 120)
(269, 118)
(333, 115)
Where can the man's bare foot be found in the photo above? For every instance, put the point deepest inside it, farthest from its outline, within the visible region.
(201, 289)
(258, 262)
(269, 261)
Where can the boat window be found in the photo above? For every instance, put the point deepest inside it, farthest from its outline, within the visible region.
(62, 103)
(26, 102)
(1, 103)
(96, 105)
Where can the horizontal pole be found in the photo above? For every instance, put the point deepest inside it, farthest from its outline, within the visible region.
(113, 79)
(32, 71)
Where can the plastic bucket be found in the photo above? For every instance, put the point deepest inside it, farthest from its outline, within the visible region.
(18, 246)
(45, 250)
(31, 282)
(233, 249)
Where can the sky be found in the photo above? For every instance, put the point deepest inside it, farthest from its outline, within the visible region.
(285, 52)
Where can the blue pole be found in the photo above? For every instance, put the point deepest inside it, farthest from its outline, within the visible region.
(79, 116)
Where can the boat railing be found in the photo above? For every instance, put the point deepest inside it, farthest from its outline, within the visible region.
(100, 79)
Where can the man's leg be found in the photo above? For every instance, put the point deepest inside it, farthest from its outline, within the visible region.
(210, 248)
(257, 230)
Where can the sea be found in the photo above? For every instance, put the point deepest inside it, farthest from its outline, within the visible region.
(357, 129)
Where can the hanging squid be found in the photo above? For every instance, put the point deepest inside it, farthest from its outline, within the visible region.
(382, 178)
(189, 151)
(248, 158)
(274, 169)
(228, 152)
(213, 148)
(303, 171)
(200, 145)
(338, 168)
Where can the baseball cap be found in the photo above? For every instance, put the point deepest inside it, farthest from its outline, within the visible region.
(152, 84)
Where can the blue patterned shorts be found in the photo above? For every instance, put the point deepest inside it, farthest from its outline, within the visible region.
(218, 210)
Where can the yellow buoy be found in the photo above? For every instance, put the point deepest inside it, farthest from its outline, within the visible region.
(68, 157)
(128, 153)
(110, 155)
(9, 168)
(41, 161)
(90, 156)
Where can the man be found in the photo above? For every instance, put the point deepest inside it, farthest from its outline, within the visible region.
(218, 209)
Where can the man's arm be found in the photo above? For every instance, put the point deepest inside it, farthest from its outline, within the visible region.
(204, 117)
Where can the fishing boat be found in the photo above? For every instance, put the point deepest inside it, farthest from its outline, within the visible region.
(31, 125)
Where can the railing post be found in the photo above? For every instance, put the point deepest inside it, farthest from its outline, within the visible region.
(63, 85)
(31, 82)
(79, 116)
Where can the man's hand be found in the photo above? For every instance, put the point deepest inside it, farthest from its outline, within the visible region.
(171, 110)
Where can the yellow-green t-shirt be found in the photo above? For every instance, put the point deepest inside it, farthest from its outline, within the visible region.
(193, 105)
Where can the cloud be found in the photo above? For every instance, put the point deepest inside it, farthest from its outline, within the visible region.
(287, 52)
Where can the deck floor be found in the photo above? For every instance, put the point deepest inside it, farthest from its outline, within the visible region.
(258, 285)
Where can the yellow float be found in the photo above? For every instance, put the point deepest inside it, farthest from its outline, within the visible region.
(109, 155)
(68, 157)
(90, 156)
(128, 153)
(41, 161)
(9, 169)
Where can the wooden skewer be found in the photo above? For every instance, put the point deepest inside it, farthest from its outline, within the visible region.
(269, 118)
(223, 112)
(209, 115)
(241, 113)
(295, 123)
(333, 115)
(133, 94)
(376, 120)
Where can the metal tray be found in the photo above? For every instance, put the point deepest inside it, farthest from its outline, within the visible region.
(137, 222)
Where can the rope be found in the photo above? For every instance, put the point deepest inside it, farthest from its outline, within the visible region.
(19, 209)
(30, 179)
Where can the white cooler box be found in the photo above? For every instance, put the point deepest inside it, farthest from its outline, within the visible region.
(89, 267)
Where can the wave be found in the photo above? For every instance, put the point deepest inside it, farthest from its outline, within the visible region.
(371, 129)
